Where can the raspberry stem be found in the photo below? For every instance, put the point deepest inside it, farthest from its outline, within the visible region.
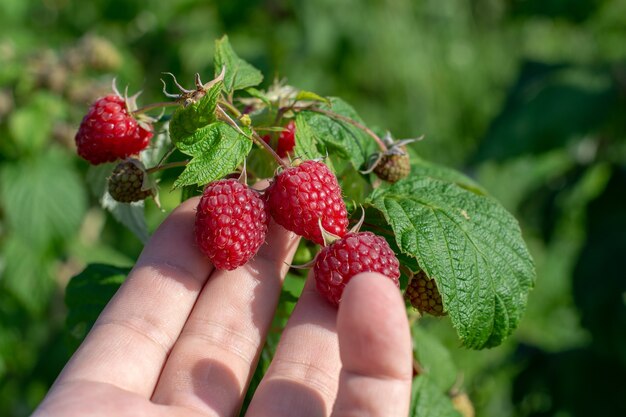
(155, 106)
(169, 165)
(370, 132)
(254, 137)
(234, 110)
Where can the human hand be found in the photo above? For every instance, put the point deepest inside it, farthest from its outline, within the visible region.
(182, 339)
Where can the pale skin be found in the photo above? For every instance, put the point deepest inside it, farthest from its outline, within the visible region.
(182, 339)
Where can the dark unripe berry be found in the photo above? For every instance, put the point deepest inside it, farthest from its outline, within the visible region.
(393, 167)
(423, 294)
(127, 181)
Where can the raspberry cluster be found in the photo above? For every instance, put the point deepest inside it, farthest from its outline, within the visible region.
(231, 219)
(231, 226)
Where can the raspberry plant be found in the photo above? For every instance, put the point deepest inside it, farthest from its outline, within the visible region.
(443, 228)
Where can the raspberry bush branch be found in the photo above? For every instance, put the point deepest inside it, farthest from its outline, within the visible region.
(465, 250)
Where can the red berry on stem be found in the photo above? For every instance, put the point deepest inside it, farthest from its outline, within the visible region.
(301, 195)
(358, 252)
(231, 223)
(286, 140)
(109, 132)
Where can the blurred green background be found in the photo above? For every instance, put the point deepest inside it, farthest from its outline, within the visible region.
(526, 96)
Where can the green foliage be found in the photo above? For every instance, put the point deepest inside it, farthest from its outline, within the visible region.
(526, 97)
(216, 150)
(238, 73)
(42, 198)
(86, 295)
(470, 246)
(428, 400)
(189, 118)
(333, 136)
(434, 359)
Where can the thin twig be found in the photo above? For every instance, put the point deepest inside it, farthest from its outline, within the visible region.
(167, 166)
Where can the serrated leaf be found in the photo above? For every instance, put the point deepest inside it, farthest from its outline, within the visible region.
(239, 73)
(428, 400)
(333, 136)
(471, 246)
(131, 215)
(305, 147)
(86, 296)
(434, 358)
(186, 120)
(311, 96)
(42, 198)
(216, 150)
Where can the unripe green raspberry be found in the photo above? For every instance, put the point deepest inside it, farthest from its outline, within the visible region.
(423, 294)
(127, 181)
(393, 166)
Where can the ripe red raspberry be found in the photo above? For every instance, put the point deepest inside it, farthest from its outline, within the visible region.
(286, 140)
(109, 132)
(231, 223)
(301, 195)
(423, 294)
(359, 252)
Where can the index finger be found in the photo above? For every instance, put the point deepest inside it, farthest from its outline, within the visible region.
(133, 336)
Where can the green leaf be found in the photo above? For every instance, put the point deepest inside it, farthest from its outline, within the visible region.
(42, 198)
(256, 93)
(471, 246)
(86, 296)
(239, 74)
(131, 215)
(216, 150)
(434, 358)
(333, 136)
(306, 147)
(427, 400)
(186, 120)
(311, 96)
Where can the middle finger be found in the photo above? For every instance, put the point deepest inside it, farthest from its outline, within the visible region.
(211, 363)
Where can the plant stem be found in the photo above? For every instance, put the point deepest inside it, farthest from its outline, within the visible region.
(155, 106)
(370, 132)
(255, 137)
(234, 110)
(162, 167)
